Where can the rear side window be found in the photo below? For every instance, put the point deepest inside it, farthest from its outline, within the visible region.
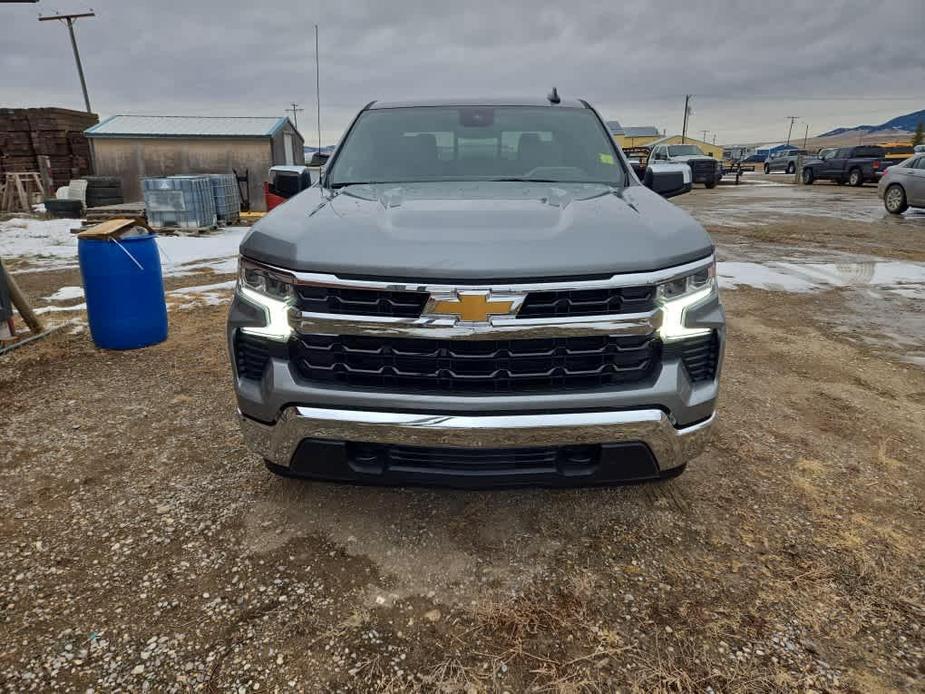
(869, 152)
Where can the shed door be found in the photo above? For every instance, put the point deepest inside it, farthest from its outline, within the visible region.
(287, 143)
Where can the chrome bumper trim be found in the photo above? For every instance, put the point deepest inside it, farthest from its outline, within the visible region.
(671, 446)
(495, 328)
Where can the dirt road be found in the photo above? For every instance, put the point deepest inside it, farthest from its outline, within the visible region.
(143, 547)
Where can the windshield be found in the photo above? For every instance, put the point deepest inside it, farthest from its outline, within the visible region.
(684, 151)
(477, 143)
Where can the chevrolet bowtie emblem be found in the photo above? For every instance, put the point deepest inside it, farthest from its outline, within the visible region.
(474, 306)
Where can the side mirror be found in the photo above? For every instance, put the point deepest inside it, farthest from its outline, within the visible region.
(668, 184)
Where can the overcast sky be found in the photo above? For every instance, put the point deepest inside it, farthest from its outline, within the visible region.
(748, 64)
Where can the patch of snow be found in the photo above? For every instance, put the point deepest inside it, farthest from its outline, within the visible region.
(66, 294)
(806, 277)
(47, 242)
(51, 309)
(50, 245)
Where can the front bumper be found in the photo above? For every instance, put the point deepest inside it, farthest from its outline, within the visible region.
(320, 429)
(283, 443)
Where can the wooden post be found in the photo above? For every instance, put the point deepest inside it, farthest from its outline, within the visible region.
(21, 303)
(798, 171)
(44, 162)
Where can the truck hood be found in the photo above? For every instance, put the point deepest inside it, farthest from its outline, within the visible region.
(477, 231)
(691, 157)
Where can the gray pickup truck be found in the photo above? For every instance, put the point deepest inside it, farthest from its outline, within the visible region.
(478, 293)
(852, 165)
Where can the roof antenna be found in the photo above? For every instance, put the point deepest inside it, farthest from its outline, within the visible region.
(553, 96)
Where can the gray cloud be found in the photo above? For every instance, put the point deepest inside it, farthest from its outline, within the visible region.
(748, 64)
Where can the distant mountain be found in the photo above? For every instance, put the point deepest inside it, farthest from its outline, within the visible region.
(904, 123)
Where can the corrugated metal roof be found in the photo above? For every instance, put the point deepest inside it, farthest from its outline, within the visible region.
(641, 131)
(614, 127)
(186, 126)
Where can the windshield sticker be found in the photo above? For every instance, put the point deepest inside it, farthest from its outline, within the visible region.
(605, 158)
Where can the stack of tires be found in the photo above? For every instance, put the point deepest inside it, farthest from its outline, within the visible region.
(103, 190)
(64, 209)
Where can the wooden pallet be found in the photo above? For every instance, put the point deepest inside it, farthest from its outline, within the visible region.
(21, 191)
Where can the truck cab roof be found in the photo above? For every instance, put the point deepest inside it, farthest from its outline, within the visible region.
(485, 101)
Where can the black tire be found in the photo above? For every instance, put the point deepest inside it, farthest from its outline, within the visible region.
(279, 469)
(104, 192)
(855, 178)
(64, 209)
(767, 169)
(791, 168)
(894, 199)
(710, 184)
(808, 177)
(102, 181)
(103, 202)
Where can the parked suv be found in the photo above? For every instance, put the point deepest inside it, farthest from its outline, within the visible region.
(853, 165)
(705, 169)
(478, 292)
(784, 161)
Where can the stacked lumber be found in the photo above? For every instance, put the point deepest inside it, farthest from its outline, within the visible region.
(57, 133)
(98, 215)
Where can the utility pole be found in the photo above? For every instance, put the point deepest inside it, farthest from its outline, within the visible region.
(704, 133)
(295, 114)
(790, 132)
(70, 19)
(318, 87)
(714, 138)
(805, 134)
(687, 110)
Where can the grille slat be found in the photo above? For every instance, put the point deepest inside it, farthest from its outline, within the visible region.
(251, 356)
(588, 302)
(477, 366)
(361, 302)
(699, 356)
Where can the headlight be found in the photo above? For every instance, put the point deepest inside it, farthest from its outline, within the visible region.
(271, 291)
(676, 296)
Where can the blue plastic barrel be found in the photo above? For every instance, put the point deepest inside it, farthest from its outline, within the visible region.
(124, 291)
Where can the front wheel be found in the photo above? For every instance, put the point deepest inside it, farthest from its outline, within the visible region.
(808, 177)
(894, 200)
(855, 177)
(767, 169)
(710, 184)
(791, 168)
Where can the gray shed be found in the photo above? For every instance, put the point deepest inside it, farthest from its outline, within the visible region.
(135, 147)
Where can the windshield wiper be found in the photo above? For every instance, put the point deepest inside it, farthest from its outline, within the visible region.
(343, 184)
(521, 179)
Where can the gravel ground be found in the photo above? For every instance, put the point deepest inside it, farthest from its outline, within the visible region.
(145, 549)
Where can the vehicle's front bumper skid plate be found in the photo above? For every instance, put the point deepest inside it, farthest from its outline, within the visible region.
(671, 446)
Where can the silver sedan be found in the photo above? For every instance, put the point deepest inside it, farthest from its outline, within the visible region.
(903, 185)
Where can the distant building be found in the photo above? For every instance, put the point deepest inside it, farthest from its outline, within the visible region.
(135, 147)
(708, 148)
(632, 136)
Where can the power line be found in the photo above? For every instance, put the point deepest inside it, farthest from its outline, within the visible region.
(295, 117)
(790, 132)
(70, 19)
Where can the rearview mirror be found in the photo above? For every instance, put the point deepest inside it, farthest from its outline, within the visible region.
(666, 183)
